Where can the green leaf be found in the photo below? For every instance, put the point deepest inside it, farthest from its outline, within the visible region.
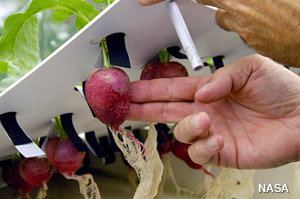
(3, 67)
(19, 48)
(99, 1)
(19, 42)
(80, 23)
(61, 15)
(2, 76)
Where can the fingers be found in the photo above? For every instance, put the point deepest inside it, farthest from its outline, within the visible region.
(149, 2)
(225, 20)
(192, 127)
(205, 151)
(166, 89)
(228, 80)
(161, 111)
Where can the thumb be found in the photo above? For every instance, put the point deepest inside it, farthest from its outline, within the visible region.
(229, 79)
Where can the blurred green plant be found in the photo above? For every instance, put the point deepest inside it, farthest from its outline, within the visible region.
(19, 43)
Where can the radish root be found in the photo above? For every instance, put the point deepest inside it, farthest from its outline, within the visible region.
(147, 164)
(132, 178)
(230, 184)
(42, 193)
(87, 186)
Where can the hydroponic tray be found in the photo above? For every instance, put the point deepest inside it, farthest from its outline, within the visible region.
(47, 90)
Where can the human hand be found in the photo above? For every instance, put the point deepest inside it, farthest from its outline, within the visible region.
(245, 115)
(271, 28)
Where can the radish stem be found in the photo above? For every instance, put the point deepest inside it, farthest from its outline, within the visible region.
(105, 54)
(59, 128)
(164, 56)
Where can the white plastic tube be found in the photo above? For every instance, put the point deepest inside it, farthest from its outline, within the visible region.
(184, 35)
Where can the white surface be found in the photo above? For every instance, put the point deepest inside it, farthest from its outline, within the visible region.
(47, 90)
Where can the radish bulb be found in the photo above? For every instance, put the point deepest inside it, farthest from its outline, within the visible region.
(63, 155)
(13, 178)
(37, 172)
(108, 94)
(156, 70)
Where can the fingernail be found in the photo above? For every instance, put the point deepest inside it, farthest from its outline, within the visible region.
(212, 142)
(195, 122)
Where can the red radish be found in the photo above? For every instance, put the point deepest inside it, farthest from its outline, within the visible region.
(179, 149)
(192, 164)
(66, 159)
(108, 94)
(156, 70)
(13, 178)
(63, 155)
(36, 171)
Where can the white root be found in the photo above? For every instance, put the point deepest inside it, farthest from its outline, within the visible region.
(170, 173)
(232, 184)
(208, 180)
(87, 186)
(42, 193)
(132, 178)
(161, 186)
(147, 164)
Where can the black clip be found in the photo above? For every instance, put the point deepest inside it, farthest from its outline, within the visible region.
(110, 156)
(218, 61)
(67, 124)
(19, 138)
(82, 93)
(117, 52)
(175, 52)
(138, 135)
(91, 140)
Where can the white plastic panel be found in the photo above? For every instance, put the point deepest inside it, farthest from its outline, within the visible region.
(47, 90)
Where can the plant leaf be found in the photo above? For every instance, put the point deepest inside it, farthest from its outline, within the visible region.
(19, 42)
(99, 1)
(19, 48)
(3, 67)
(61, 15)
(80, 23)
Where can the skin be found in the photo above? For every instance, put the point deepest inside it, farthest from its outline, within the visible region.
(270, 27)
(246, 115)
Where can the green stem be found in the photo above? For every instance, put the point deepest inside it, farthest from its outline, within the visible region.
(105, 54)
(164, 56)
(17, 157)
(59, 128)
